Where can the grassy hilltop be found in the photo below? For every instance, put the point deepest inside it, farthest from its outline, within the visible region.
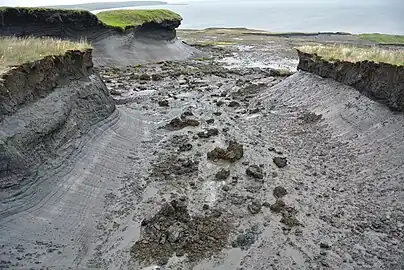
(134, 17)
(356, 54)
(16, 51)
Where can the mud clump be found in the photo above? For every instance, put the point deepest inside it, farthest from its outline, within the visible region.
(174, 230)
(278, 207)
(169, 166)
(177, 123)
(234, 152)
(254, 207)
(222, 174)
(208, 133)
(163, 103)
(255, 172)
(289, 219)
(310, 118)
(279, 192)
(245, 240)
(280, 162)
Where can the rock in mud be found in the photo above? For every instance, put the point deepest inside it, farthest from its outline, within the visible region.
(177, 123)
(278, 207)
(279, 192)
(156, 77)
(208, 133)
(289, 219)
(233, 104)
(187, 112)
(185, 147)
(217, 113)
(210, 121)
(254, 207)
(222, 174)
(174, 230)
(255, 171)
(234, 152)
(280, 162)
(245, 240)
(163, 103)
(144, 77)
(310, 117)
(219, 103)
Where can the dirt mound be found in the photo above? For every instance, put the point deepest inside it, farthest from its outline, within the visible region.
(174, 230)
(149, 42)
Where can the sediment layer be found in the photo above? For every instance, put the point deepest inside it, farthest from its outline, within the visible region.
(45, 105)
(380, 81)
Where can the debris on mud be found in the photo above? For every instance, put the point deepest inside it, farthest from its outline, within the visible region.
(234, 152)
(233, 104)
(289, 219)
(246, 239)
(310, 117)
(254, 207)
(255, 171)
(222, 174)
(163, 103)
(280, 162)
(174, 165)
(174, 230)
(177, 123)
(279, 192)
(144, 77)
(278, 206)
(208, 133)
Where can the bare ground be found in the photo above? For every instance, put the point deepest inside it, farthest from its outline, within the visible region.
(222, 163)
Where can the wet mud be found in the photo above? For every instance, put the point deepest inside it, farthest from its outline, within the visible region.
(211, 165)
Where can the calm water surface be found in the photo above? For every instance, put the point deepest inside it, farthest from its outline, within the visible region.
(355, 16)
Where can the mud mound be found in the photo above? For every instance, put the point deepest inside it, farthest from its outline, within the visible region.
(150, 42)
(380, 81)
(174, 230)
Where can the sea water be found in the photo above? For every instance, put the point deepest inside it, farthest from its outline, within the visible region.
(354, 16)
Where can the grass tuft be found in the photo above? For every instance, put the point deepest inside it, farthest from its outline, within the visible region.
(355, 54)
(382, 38)
(134, 17)
(16, 51)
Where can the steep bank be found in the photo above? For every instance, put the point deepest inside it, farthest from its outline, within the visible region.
(151, 41)
(45, 105)
(380, 81)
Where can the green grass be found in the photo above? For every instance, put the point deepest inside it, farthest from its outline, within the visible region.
(382, 38)
(134, 17)
(355, 54)
(16, 51)
(30, 10)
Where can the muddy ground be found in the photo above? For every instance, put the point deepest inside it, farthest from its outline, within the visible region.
(225, 163)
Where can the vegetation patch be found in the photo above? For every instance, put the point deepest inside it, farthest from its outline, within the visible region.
(134, 17)
(16, 51)
(355, 54)
(382, 38)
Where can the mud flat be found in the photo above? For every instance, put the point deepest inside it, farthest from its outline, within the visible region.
(220, 162)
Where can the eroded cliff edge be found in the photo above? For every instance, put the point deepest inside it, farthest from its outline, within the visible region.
(115, 46)
(380, 81)
(44, 107)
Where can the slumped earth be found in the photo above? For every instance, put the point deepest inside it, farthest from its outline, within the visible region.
(224, 163)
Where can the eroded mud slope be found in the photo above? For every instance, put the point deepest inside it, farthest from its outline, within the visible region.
(202, 167)
(150, 42)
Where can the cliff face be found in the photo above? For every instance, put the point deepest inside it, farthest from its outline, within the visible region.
(380, 81)
(45, 106)
(112, 45)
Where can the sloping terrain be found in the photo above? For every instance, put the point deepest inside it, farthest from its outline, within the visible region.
(206, 167)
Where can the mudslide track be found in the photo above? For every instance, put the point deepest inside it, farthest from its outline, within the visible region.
(343, 178)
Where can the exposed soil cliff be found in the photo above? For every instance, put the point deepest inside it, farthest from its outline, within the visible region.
(44, 106)
(380, 81)
(113, 45)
